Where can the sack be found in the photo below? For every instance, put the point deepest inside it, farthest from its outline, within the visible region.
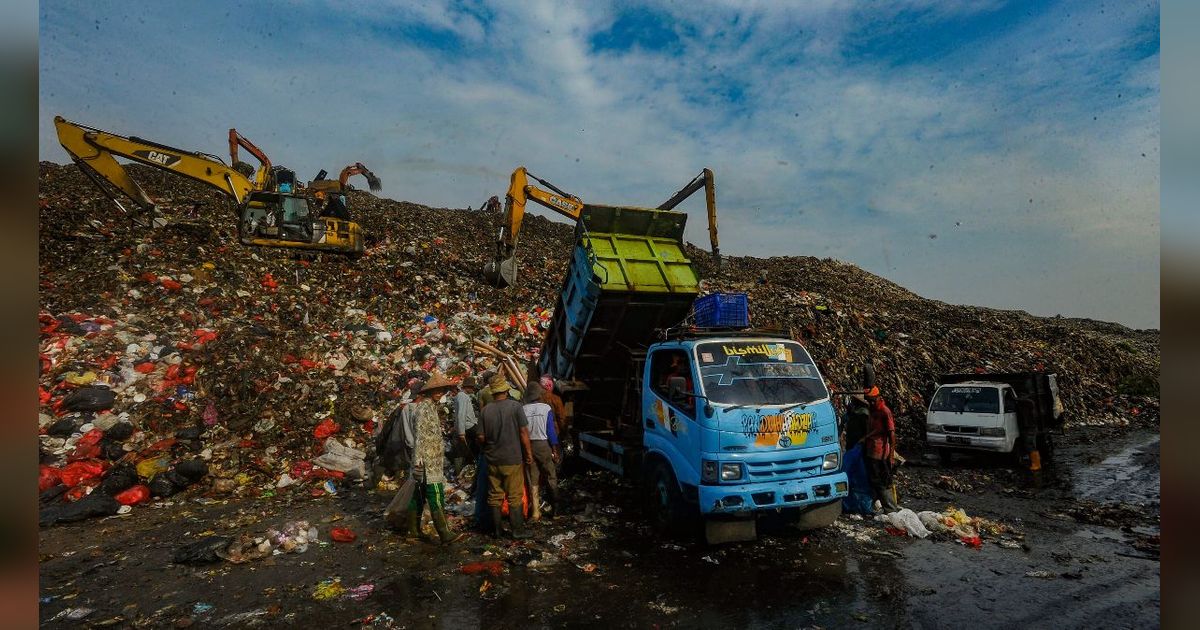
(400, 502)
(906, 520)
(859, 500)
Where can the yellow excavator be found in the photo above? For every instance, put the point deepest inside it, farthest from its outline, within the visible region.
(269, 212)
(502, 271)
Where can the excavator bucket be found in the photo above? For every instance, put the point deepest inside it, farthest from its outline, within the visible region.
(502, 272)
(373, 181)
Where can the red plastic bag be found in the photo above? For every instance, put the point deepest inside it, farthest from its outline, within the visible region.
(972, 541)
(88, 446)
(77, 472)
(170, 284)
(133, 496)
(145, 368)
(48, 477)
(327, 428)
(342, 534)
(492, 567)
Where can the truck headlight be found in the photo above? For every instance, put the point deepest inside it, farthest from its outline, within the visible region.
(993, 432)
(830, 462)
(708, 471)
(934, 428)
(731, 471)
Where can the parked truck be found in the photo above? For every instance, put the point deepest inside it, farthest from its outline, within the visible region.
(723, 422)
(1013, 413)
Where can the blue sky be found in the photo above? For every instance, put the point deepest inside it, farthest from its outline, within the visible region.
(1002, 154)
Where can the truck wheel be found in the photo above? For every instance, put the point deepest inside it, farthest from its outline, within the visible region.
(818, 516)
(945, 456)
(664, 502)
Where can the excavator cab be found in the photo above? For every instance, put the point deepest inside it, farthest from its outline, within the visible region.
(287, 220)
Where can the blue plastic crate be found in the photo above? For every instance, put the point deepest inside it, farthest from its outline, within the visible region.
(722, 310)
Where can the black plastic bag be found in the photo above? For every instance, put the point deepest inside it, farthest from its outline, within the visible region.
(203, 551)
(190, 433)
(118, 479)
(193, 469)
(162, 487)
(63, 428)
(90, 399)
(111, 450)
(91, 506)
(52, 493)
(119, 431)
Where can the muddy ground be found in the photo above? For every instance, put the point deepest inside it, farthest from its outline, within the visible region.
(1083, 551)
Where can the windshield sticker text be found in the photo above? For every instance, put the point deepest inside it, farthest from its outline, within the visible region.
(782, 429)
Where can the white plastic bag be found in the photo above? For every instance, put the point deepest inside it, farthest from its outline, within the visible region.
(907, 520)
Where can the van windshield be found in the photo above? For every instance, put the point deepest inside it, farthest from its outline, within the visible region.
(758, 373)
(966, 399)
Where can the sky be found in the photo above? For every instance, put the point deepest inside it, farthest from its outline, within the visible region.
(1001, 154)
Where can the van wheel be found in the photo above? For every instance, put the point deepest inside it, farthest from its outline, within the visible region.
(664, 502)
(945, 456)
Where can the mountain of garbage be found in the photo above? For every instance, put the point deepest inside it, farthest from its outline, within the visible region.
(201, 351)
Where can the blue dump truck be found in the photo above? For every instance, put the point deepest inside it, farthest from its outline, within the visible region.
(718, 421)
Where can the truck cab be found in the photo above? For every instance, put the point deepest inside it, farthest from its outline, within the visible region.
(973, 415)
(1002, 413)
(750, 427)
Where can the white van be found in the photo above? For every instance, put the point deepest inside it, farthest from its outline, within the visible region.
(976, 415)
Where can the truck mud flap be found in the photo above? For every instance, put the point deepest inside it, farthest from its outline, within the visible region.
(720, 531)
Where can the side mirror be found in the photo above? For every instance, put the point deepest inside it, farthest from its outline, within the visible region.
(677, 388)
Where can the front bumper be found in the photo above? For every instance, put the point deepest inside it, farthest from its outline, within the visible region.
(975, 442)
(770, 495)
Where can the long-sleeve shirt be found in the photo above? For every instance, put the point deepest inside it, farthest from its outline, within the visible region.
(423, 438)
(540, 417)
(464, 413)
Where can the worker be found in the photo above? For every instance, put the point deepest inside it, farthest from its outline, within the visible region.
(879, 449)
(504, 434)
(465, 421)
(556, 404)
(543, 440)
(423, 435)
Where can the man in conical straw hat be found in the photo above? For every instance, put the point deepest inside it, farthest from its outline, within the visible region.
(423, 433)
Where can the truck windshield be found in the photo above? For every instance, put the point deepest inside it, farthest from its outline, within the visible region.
(758, 373)
(966, 399)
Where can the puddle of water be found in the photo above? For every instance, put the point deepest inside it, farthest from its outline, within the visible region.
(1130, 476)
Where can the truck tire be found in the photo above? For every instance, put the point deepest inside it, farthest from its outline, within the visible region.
(818, 516)
(664, 501)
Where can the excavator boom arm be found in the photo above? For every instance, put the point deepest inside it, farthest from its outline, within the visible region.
(703, 180)
(358, 169)
(263, 174)
(520, 191)
(97, 150)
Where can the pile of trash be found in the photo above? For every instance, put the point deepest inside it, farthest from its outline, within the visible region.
(166, 341)
(950, 524)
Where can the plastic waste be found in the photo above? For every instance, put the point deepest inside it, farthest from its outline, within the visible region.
(328, 589)
(490, 567)
(133, 496)
(91, 506)
(95, 398)
(203, 551)
(906, 520)
(342, 534)
(342, 458)
(360, 592)
(149, 468)
(326, 428)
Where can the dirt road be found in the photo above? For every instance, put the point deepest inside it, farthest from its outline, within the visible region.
(1083, 552)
